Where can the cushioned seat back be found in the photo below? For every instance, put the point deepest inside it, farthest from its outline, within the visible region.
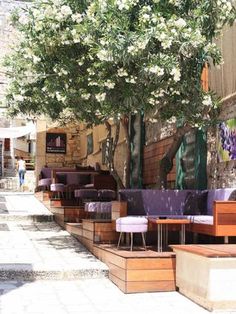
(154, 202)
(134, 200)
(45, 172)
(167, 202)
(218, 195)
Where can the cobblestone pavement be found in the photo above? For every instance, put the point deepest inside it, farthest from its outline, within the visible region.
(44, 270)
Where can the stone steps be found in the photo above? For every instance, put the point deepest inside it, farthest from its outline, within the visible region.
(34, 247)
(26, 272)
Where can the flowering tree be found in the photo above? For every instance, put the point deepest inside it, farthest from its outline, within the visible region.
(100, 59)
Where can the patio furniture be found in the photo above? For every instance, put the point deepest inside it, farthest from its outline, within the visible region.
(131, 225)
(57, 190)
(106, 195)
(83, 195)
(162, 230)
(44, 184)
(211, 212)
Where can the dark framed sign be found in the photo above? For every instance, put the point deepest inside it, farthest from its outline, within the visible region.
(56, 143)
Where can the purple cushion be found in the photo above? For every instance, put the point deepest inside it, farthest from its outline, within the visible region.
(167, 202)
(57, 187)
(195, 203)
(72, 178)
(106, 194)
(134, 199)
(86, 193)
(232, 196)
(106, 207)
(45, 182)
(92, 207)
(45, 172)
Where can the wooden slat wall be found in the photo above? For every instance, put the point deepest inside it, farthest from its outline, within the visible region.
(152, 154)
(223, 80)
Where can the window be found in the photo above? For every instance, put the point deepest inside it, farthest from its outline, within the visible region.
(106, 150)
(90, 144)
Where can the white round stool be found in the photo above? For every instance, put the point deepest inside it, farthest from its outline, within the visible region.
(132, 224)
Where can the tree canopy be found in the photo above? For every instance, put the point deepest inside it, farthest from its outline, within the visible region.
(90, 60)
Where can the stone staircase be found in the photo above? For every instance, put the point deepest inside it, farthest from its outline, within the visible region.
(10, 182)
(34, 247)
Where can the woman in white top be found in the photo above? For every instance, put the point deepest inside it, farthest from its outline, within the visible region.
(21, 170)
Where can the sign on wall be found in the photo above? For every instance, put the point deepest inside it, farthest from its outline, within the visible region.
(227, 140)
(56, 143)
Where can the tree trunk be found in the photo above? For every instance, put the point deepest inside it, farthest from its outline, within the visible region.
(110, 153)
(166, 163)
(125, 124)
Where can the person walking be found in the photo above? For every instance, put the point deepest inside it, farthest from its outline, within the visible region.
(21, 168)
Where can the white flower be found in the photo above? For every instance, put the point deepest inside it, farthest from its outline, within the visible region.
(73, 32)
(77, 17)
(101, 97)
(109, 84)
(122, 72)
(207, 101)
(130, 80)
(60, 97)
(23, 20)
(156, 70)
(57, 2)
(166, 44)
(104, 55)
(146, 16)
(131, 49)
(175, 72)
(36, 59)
(66, 10)
(18, 98)
(85, 96)
(180, 23)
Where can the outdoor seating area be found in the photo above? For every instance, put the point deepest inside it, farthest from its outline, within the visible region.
(140, 254)
(72, 186)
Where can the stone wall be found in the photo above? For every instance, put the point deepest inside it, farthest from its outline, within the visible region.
(221, 174)
(72, 156)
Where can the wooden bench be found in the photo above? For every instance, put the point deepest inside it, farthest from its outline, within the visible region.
(207, 274)
(224, 221)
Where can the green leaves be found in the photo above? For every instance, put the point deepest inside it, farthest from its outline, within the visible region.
(97, 59)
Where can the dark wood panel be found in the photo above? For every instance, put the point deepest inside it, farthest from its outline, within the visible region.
(226, 219)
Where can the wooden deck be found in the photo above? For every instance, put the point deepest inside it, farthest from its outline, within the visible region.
(138, 271)
(132, 271)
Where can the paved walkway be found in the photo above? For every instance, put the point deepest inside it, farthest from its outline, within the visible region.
(45, 270)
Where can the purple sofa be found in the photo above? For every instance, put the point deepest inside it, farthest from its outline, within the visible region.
(212, 208)
(170, 202)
